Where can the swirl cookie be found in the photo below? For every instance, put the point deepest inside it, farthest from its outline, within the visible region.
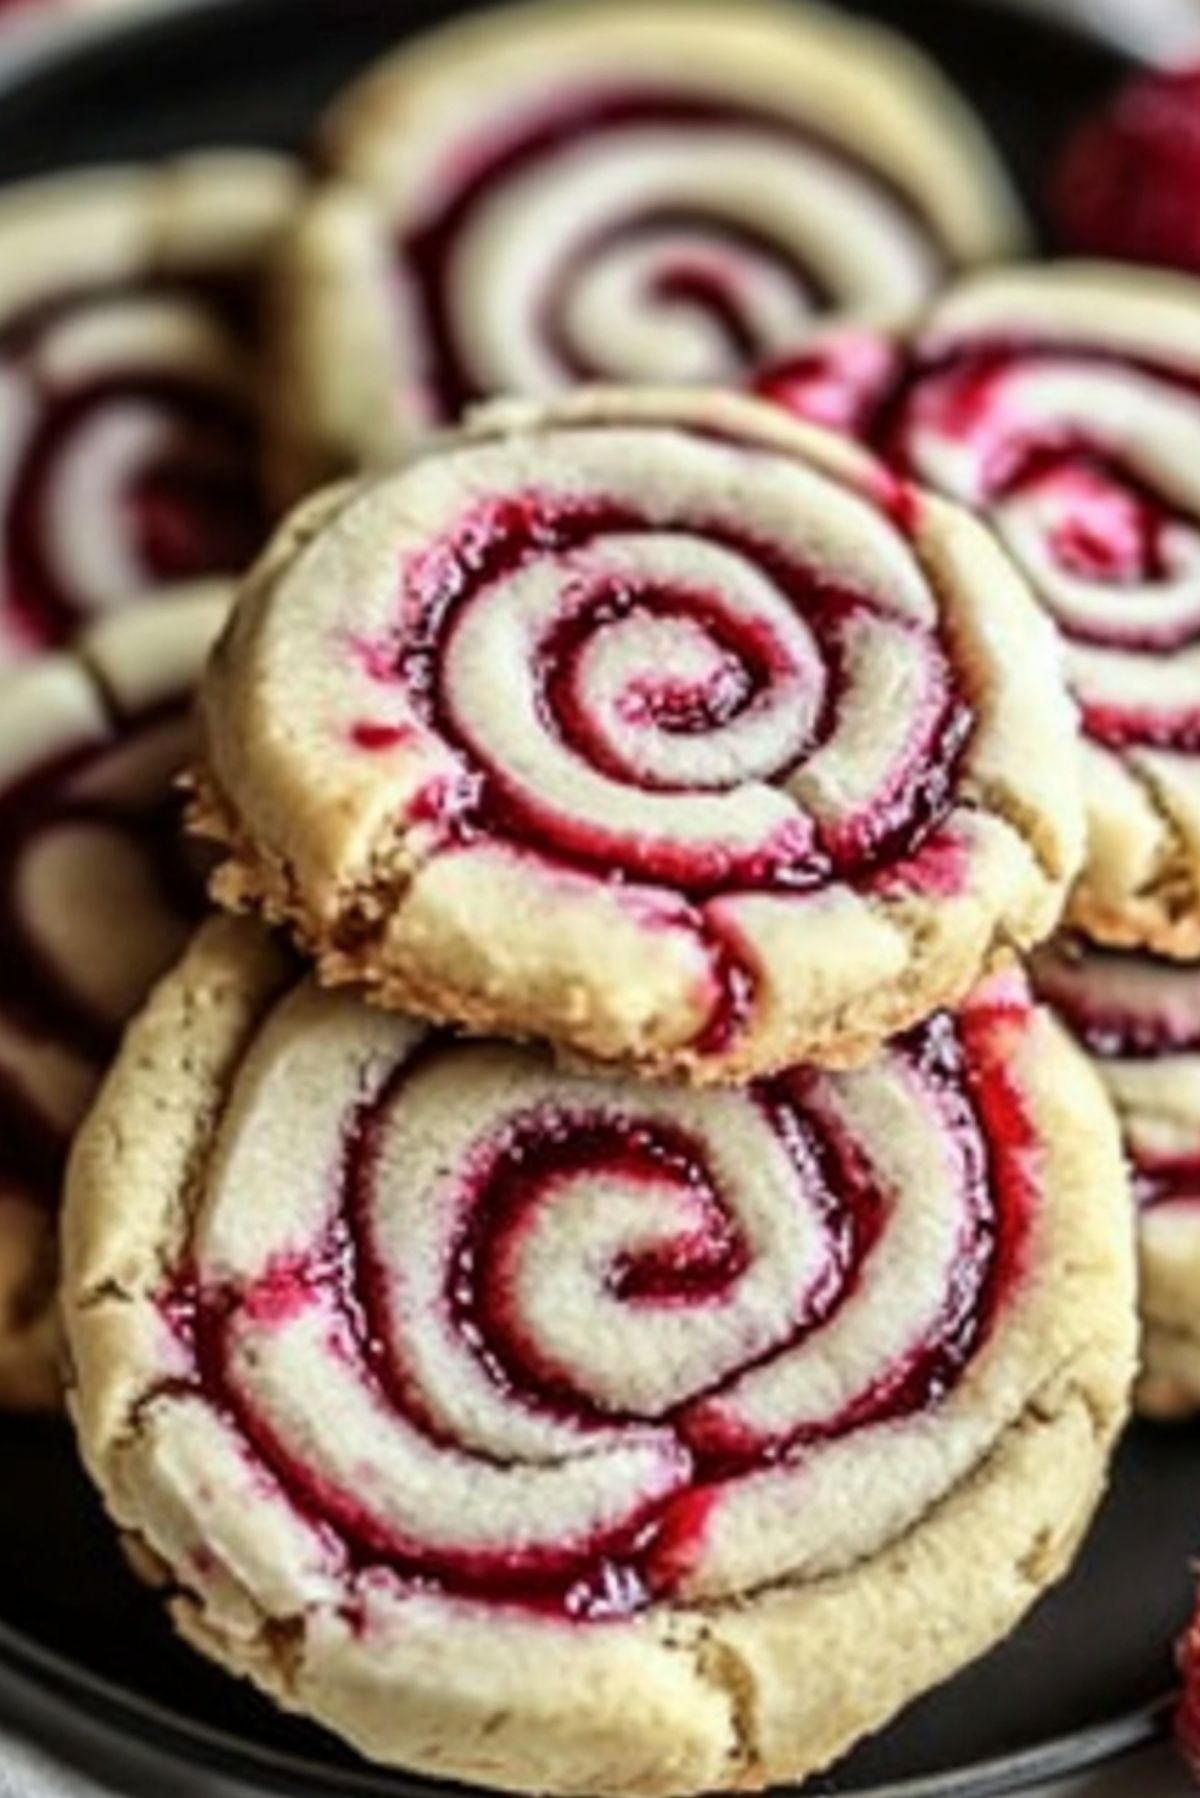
(97, 895)
(664, 194)
(573, 1435)
(1064, 404)
(1139, 1018)
(128, 412)
(650, 723)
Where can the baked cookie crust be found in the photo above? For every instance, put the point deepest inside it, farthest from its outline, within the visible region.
(744, 1634)
(648, 722)
(1138, 1016)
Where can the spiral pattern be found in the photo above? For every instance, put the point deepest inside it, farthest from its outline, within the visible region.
(676, 703)
(594, 1346)
(661, 666)
(522, 1424)
(129, 436)
(1064, 407)
(632, 195)
(97, 895)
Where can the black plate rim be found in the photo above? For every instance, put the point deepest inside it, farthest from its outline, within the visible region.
(35, 43)
(124, 1717)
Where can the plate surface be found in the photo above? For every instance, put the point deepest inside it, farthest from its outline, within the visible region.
(84, 1652)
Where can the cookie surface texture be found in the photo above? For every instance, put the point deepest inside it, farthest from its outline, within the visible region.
(578, 1435)
(651, 723)
(1138, 1016)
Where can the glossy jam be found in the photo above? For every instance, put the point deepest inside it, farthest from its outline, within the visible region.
(967, 1071)
(842, 382)
(1105, 526)
(499, 538)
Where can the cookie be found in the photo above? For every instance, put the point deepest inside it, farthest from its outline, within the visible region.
(129, 453)
(647, 722)
(573, 1435)
(620, 193)
(1138, 1015)
(98, 894)
(1063, 404)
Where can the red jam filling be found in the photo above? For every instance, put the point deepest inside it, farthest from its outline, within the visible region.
(190, 508)
(500, 538)
(1078, 981)
(964, 1069)
(37, 994)
(482, 170)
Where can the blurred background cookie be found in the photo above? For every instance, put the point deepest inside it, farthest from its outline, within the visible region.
(561, 193)
(129, 418)
(97, 895)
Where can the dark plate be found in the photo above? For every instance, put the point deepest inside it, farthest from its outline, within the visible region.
(84, 1652)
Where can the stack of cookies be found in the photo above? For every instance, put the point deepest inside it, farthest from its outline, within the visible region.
(595, 1402)
(594, 1271)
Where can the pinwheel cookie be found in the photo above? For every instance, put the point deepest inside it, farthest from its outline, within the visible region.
(612, 192)
(1064, 404)
(128, 412)
(651, 723)
(1139, 1017)
(574, 1435)
(97, 895)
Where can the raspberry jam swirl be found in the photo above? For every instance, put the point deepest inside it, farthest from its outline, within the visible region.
(1138, 1016)
(98, 893)
(130, 448)
(1081, 458)
(578, 1345)
(682, 702)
